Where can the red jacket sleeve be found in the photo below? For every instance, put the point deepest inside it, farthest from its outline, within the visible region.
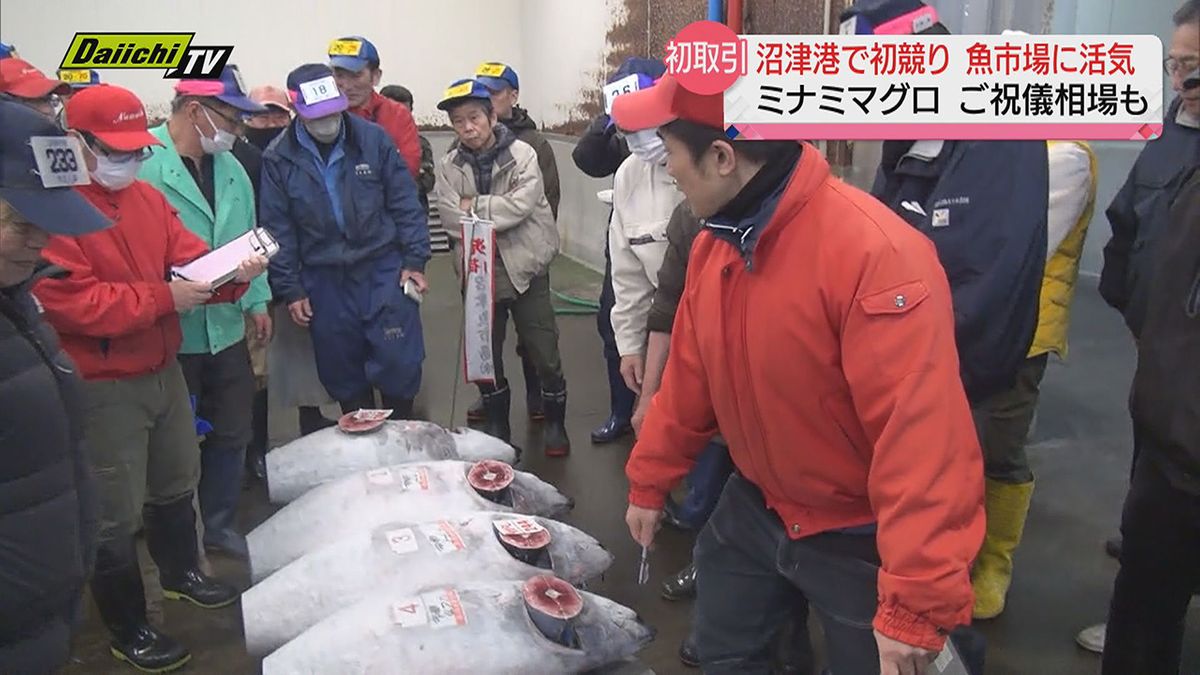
(926, 469)
(401, 127)
(679, 423)
(81, 304)
(183, 246)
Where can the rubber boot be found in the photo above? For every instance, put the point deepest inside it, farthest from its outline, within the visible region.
(682, 585)
(402, 408)
(312, 421)
(121, 599)
(533, 386)
(1006, 505)
(256, 452)
(497, 403)
(171, 539)
(554, 433)
(219, 490)
(364, 401)
(621, 401)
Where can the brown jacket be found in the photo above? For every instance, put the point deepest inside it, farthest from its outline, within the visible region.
(681, 232)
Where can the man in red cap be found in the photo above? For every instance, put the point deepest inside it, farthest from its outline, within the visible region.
(118, 318)
(30, 86)
(862, 493)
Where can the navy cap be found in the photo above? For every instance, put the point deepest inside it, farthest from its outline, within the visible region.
(314, 93)
(228, 89)
(353, 53)
(891, 17)
(57, 210)
(7, 51)
(462, 90)
(636, 65)
(497, 76)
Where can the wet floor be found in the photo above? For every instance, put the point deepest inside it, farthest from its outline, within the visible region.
(1080, 456)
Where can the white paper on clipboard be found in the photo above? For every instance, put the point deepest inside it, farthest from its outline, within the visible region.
(220, 266)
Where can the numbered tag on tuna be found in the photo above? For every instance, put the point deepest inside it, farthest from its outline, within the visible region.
(412, 479)
(402, 541)
(445, 609)
(409, 613)
(380, 477)
(518, 527)
(443, 537)
(59, 160)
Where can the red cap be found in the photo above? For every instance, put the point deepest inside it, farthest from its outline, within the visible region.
(112, 114)
(666, 102)
(22, 80)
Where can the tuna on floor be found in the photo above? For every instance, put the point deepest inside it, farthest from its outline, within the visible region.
(541, 626)
(329, 454)
(486, 546)
(402, 493)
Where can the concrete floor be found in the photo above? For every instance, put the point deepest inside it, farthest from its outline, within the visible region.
(1080, 455)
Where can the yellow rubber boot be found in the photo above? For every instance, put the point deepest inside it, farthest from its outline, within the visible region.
(1006, 505)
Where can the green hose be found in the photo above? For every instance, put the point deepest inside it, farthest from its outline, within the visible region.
(573, 300)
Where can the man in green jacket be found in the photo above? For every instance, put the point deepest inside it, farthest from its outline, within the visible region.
(215, 198)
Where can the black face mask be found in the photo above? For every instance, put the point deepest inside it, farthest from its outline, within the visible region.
(261, 138)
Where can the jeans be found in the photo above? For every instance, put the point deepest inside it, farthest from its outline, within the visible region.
(621, 398)
(750, 577)
(1160, 569)
(705, 483)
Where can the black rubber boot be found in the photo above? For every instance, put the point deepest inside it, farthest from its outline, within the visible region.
(171, 538)
(364, 401)
(497, 403)
(554, 433)
(311, 420)
(687, 653)
(402, 408)
(120, 597)
(256, 452)
(221, 479)
(681, 586)
(533, 387)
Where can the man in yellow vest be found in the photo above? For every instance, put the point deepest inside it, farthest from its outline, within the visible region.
(1003, 420)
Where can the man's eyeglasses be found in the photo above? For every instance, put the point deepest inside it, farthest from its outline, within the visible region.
(1172, 65)
(237, 121)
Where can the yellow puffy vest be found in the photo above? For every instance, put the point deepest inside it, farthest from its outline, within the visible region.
(1062, 271)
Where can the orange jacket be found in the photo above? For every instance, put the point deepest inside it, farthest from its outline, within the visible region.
(830, 368)
(398, 122)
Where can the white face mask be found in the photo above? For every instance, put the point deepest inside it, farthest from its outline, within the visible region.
(222, 141)
(647, 146)
(324, 129)
(115, 176)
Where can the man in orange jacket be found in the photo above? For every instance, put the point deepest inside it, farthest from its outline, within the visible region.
(864, 493)
(355, 63)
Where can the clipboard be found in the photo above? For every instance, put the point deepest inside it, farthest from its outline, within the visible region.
(220, 266)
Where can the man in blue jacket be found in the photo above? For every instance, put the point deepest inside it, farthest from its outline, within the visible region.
(351, 232)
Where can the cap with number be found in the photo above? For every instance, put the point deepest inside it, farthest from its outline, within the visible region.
(112, 114)
(636, 65)
(57, 210)
(78, 78)
(666, 102)
(229, 88)
(353, 53)
(314, 92)
(273, 98)
(19, 78)
(891, 17)
(462, 90)
(497, 76)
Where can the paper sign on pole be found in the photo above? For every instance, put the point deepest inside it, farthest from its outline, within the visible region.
(479, 252)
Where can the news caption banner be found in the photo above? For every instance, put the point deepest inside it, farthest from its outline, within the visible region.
(919, 87)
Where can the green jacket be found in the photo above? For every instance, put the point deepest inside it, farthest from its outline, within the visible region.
(209, 328)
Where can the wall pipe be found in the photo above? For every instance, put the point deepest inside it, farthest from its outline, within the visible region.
(734, 18)
(714, 11)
